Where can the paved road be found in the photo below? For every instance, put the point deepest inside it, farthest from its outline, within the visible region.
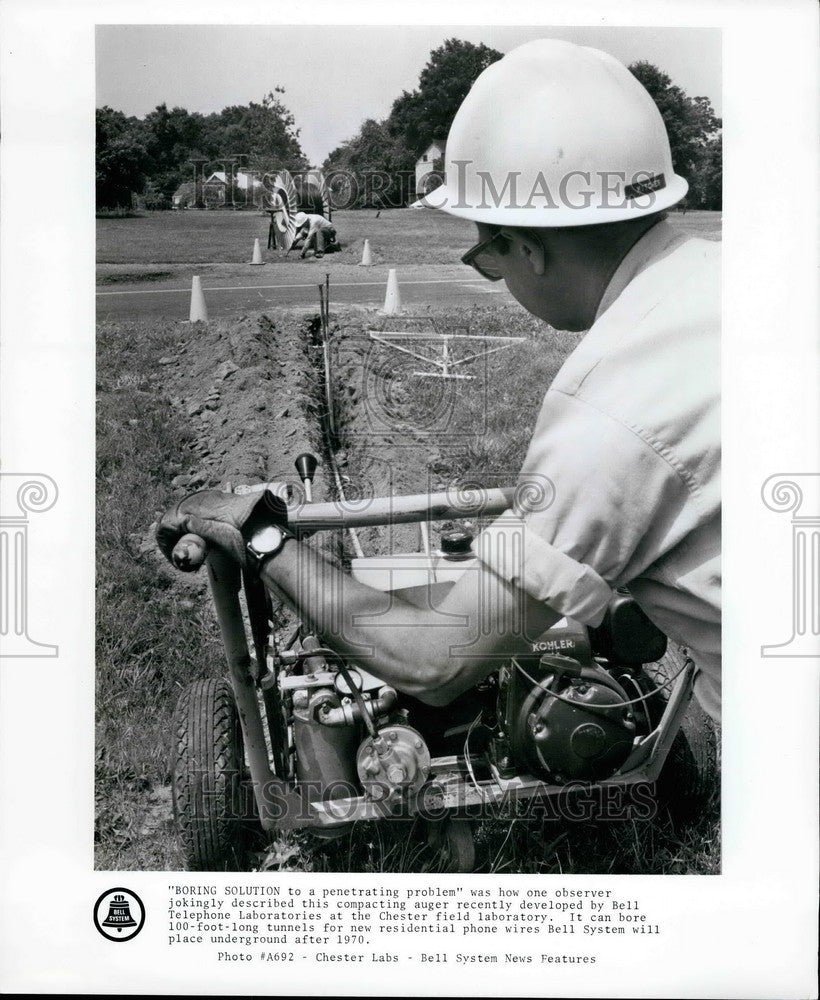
(235, 293)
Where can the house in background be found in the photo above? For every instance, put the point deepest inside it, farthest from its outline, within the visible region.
(429, 167)
(184, 196)
(247, 191)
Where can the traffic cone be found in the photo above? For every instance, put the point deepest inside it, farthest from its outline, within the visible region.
(367, 260)
(257, 253)
(199, 311)
(392, 299)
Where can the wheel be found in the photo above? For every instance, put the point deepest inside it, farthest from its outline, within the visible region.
(206, 778)
(690, 773)
(453, 839)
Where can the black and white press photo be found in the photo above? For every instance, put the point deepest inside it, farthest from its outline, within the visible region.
(426, 372)
(409, 504)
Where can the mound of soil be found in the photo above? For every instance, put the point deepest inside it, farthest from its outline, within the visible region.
(248, 391)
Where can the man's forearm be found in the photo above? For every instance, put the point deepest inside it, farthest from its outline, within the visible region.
(433, 653)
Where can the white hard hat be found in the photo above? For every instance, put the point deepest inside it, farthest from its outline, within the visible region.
(300, 219)
(557, 134)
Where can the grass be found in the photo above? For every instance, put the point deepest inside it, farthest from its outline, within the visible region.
(154, 630)
(126, 277)
(516, 846)
(397, 236)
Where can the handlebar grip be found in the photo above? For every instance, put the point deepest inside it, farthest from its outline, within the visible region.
(189, 553)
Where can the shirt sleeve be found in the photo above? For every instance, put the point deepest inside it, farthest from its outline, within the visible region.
(608, 503)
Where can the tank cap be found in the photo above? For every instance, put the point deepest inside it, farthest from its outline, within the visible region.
(457, 544)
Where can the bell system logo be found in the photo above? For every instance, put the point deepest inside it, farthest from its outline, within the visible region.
(119, 914)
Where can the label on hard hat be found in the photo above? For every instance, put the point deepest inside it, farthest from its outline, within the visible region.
(654, 183)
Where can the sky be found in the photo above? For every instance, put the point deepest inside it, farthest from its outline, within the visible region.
(335, 77)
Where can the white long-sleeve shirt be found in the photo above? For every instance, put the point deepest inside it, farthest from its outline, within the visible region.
(628, 441)
(314, 223)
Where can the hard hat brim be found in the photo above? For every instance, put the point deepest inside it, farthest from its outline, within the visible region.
(447, 199)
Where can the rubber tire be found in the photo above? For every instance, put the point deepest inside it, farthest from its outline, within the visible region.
(206, 778)
(690, 774)
(452, 839)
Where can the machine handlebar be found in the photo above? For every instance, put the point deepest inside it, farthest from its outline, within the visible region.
(191, 550)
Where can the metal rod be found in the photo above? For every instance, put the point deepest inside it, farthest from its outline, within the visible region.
(406, 350)
(324, 299)
(399, 510)
(381, 510)
(331, 423)
(424, 537)
(446, 362)
(382, 336)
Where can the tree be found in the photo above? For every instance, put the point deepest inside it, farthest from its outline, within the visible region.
(171, 138)
(694, 132)
(428, 111)
(380, 159)
(368, 169)
(122, 160)
(706, 186)
(265, 133)
(158, 150)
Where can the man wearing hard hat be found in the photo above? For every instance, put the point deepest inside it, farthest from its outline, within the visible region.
(562, 160)
(313, 232)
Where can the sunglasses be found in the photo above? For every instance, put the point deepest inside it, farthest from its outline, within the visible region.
(483, 257)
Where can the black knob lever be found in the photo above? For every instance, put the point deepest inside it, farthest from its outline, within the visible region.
(306, 467)
(457, 544)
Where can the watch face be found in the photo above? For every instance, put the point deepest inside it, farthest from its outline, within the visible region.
(267, 540)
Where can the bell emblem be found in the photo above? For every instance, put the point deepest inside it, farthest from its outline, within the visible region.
(119, 914)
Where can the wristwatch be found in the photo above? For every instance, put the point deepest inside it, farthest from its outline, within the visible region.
(265, 543)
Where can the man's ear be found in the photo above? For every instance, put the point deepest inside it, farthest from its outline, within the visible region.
(528, 246)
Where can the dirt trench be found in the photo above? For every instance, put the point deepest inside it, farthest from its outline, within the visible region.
(247, 391)
(253, 392)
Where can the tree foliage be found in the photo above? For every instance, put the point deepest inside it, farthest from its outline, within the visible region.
(122, 159)
(694, 132)
(154, 154)
(428, 112)
(265, 133)
(369, 169)
(381, 157)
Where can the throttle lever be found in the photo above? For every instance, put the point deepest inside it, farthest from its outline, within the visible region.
(306, 467)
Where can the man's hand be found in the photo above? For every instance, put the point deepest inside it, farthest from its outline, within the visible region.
(219, 518)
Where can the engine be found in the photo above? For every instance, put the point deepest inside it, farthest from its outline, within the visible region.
(348, 733)
(565, 721)
(569, 711)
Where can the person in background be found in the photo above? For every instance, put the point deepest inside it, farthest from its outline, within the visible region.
(314, 232)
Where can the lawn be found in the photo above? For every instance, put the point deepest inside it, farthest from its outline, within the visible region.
(397, 236)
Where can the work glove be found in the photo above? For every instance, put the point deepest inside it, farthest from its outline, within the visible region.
(223, 520)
